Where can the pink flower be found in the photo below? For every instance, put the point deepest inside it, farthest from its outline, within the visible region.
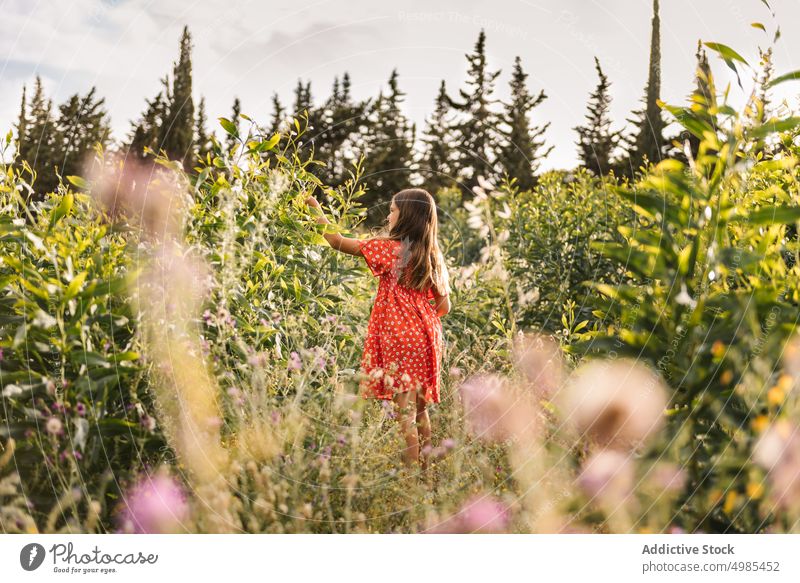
(608, 474)
(294, 361)
(482, 513)
(154, 505)
(540, 360)
(492, 411)
(54, 426)
(618, 403)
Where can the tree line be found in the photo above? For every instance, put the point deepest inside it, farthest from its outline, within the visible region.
(468, 134)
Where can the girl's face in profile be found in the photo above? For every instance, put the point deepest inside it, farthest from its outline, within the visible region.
(393, 214)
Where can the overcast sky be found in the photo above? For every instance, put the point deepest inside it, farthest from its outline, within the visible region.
(250, 49)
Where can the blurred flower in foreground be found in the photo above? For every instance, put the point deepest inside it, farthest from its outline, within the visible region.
(608, 475)
(480, 514)
(539, 358)
(493, 411)
(154, 505)
(618, 403)
(778, 451)
(148, 193)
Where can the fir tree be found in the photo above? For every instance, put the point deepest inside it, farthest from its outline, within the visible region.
(338, 123)
(22, 123)
(179, 139)
(202, 139)
(520, 147)
(278, 114)
(649, 139)
(389, 162)
(38, 143)
(476, 133)
(150, 130)
(439, 161)
(596, 142)
(231, 140)
(82, 123)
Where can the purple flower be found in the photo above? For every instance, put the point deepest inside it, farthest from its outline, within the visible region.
(155, 505)
(80, 409)
(448, 443)
(207, 316)
(341, 439)
(294, 361)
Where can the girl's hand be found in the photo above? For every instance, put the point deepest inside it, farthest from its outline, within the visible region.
(311, 201)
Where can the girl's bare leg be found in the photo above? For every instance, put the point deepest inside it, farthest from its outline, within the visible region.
(406, 417)
(423, 429)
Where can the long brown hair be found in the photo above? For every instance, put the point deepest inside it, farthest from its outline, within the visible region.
(421, 262)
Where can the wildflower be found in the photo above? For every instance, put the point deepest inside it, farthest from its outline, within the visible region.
(492, 411)
(684, 299)
(618, 403)
(608, 475)
(540, 359)
(12, 390)
(294, 361)
(778, 451)
(80, 409)
(54, 426)
(455, 372)
(668, 477)
(148, 422)
(43, 320)
(481, 513)
(154, 505)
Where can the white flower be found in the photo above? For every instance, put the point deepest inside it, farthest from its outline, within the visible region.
(684, 298)
(485, 184)
(44, 320)
(12, 390)
(81, 431)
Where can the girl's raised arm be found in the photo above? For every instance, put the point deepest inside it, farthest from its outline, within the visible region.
(340, 243)
(441, 304)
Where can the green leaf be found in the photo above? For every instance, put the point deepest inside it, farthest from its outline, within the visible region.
(726, 52)
(775, 125)
(62, 209)
(771, 215)
(229, 126)
(794, 75)
(75, 285)
(78, 181)
(759, 26)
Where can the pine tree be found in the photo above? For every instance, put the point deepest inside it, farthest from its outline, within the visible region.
(82, 123)
(231, 140)
(520, 145)
(596, 142)
(389, 161)
(201, 137)
(179, 139)
(38, 143)
(476, 133)
(150, 130)
(337, 123)
(22, 123)
(439, 161)
(649, 141)
(278, 113)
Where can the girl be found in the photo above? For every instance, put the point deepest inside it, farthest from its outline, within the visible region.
(403, 349)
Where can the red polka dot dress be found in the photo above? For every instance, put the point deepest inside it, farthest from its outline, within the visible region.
(403, 347)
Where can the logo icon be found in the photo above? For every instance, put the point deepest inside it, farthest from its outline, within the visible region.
(31, 556)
